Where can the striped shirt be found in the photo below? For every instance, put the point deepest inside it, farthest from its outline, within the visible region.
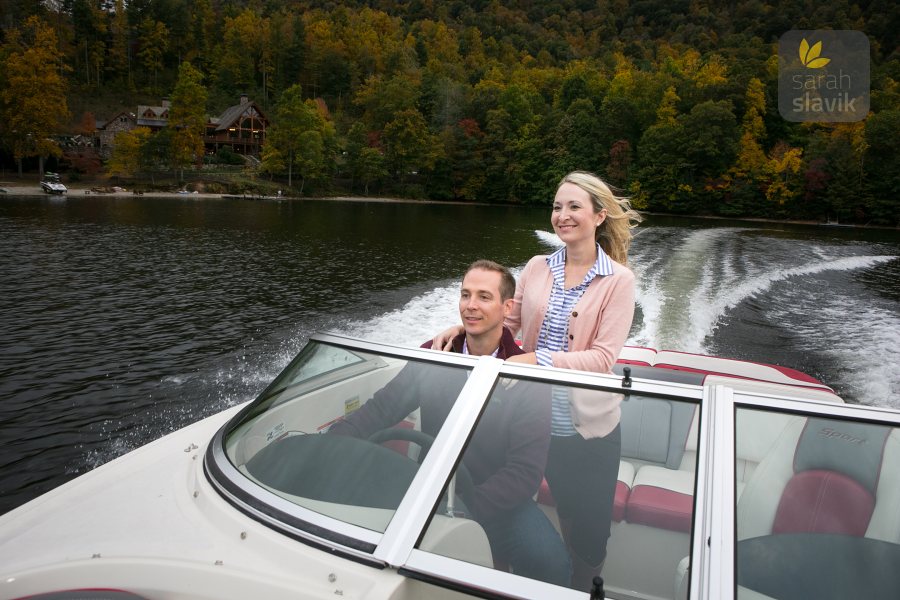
(554, 334)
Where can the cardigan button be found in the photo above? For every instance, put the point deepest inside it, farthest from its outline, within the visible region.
(571, 337)
(574, 313)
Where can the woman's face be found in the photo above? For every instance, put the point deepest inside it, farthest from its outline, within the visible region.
(573, 217)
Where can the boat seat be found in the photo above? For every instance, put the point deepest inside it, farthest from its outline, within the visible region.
(822, 476)
(651, 489)
(655, 435)
(662, 498)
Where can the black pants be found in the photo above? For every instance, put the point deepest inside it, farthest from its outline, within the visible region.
(582, 475)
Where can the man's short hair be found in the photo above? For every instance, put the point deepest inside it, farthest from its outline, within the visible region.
(507, 281)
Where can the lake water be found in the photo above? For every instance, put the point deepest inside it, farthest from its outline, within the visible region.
(123, 319)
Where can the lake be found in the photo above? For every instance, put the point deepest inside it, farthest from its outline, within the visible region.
(122, 319)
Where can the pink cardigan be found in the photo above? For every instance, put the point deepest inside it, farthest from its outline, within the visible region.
(598, 327)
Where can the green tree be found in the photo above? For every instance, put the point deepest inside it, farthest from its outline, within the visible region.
(300, 136)
(154, 40)
(187, 117)
(118, 63)
(89, 23)
(33, 98)
(408, 145)
(883, 163)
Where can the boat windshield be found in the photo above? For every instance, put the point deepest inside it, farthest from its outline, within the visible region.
(454, 471)
(340, 432)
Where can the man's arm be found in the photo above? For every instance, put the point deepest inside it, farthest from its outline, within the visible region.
(387, 407)
(525, 454)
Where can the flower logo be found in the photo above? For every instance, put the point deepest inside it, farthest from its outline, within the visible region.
(809, 56)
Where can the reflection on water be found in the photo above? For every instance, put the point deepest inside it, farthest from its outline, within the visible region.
(123, 319)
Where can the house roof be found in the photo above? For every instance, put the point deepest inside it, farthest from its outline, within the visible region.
(233, 113)
(102, 124)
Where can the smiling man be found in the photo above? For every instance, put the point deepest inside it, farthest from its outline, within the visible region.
(485, 299)
(507, 453)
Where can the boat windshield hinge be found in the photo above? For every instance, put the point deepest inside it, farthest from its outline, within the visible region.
(626, 381)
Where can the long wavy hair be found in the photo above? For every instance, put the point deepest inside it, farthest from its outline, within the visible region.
(614, 233)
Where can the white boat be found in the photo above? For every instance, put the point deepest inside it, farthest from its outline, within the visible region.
(736, 480)
(51, 184)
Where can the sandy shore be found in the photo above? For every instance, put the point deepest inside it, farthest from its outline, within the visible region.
(15, 189)
(75, 191)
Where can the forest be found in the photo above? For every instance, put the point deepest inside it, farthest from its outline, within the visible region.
(673, 102)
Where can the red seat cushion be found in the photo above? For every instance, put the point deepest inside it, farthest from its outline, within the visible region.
(660, 507)
(819, 501)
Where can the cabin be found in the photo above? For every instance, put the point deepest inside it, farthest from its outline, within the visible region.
(105, 137)
(242, 127)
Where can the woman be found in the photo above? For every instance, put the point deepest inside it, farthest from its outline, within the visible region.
(574, 309)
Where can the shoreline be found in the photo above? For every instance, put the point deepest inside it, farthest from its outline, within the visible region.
(18, 189)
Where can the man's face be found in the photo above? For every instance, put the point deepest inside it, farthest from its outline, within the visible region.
(480, 306)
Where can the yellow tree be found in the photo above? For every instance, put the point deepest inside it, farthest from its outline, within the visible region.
(128, 152)
(187, 117)
(783, 169)
(751, 158)
(33, 100)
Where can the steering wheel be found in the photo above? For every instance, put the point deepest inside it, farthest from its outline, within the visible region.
(415, 436)
(463, 477)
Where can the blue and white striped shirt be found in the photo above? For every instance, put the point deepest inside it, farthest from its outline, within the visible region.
(554, 334)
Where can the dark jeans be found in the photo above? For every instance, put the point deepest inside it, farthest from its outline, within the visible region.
(582, 475)
(525, 539)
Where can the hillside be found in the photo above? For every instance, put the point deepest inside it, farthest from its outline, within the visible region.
(675, 102)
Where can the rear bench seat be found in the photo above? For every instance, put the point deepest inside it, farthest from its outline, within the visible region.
(654, 437)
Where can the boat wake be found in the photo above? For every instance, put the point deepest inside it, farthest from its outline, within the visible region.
(687, 286)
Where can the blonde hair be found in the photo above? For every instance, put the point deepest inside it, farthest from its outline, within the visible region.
(614, 233)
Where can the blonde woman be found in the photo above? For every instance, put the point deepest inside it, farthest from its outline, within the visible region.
(574, 309)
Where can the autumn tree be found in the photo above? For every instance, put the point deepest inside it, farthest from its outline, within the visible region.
(244, 53)
(33, 96)
(187, 117)
(129, 152)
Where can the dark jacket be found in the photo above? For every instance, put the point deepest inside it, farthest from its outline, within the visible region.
(508, 346)
(508, 451)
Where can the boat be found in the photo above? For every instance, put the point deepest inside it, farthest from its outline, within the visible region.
(736, 480)
(51, 184)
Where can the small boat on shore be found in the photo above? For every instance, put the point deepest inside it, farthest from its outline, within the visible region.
(51, 184)
(736, 480)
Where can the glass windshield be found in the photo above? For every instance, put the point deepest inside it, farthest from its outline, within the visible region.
(342, 433)
(532, 500)
(817, 507)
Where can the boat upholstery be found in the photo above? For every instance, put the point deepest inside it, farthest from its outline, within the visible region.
(821, 477)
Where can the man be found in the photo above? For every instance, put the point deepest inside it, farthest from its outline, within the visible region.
(508, 451)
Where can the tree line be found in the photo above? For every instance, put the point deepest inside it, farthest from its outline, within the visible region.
(672, 101)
